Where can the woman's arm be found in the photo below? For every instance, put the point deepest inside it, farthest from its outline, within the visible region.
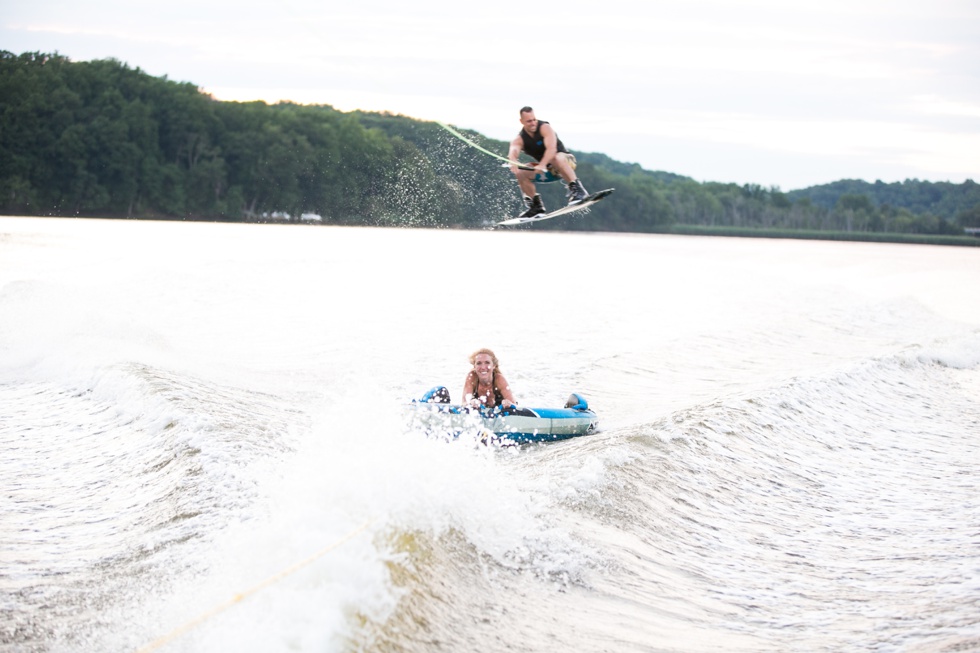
(506, 395)
(469, 388)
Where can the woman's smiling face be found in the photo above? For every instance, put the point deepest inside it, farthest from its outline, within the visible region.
(483, 364)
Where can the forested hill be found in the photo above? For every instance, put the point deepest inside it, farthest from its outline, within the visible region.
(942, 199)
(102, 139)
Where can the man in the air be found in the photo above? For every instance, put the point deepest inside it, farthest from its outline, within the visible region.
(552, 162)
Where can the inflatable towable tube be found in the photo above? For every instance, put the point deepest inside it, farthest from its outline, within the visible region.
(435, 414)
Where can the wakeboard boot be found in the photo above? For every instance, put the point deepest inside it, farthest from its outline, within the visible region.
(576, 192)
(534, 207)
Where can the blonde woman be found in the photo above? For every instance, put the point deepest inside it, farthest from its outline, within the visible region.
(485, 385)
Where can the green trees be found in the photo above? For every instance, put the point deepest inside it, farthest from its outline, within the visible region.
(969, 217)
(100, 138)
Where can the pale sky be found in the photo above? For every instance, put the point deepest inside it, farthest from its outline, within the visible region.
(777, 93)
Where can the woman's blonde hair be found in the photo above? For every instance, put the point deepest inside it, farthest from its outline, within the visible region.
(488, 352)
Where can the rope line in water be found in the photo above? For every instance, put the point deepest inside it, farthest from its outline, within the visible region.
(194, 623)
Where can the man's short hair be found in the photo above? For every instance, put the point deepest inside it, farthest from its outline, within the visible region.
(526, 110)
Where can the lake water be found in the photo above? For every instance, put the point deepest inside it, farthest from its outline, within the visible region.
(204, 444)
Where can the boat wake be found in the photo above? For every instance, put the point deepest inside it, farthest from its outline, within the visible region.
(739, 519)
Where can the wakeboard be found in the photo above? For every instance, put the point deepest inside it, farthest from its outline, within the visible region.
(565, 210)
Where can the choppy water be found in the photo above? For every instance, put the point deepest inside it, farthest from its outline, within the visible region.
(203, 445)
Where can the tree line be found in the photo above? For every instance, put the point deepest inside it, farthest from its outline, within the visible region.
(100, 138)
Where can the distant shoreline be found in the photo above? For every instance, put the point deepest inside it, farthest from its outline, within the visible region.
(809, 234)
(675, 230)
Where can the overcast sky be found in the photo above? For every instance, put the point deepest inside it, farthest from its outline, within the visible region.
(777, 93)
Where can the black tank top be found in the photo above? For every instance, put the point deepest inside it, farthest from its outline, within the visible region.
(498, 398)
(534, 145)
